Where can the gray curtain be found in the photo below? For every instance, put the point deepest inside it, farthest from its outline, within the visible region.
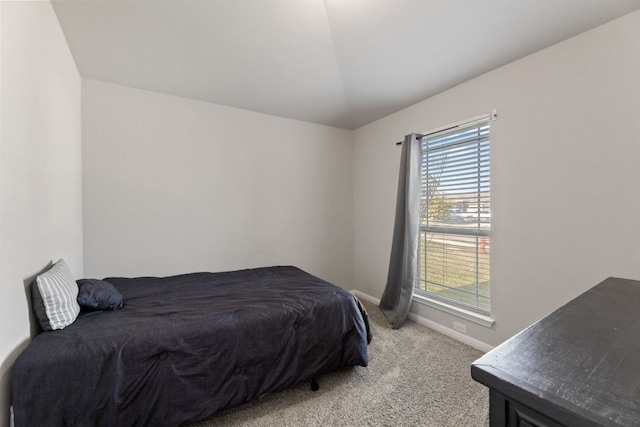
(403, 263)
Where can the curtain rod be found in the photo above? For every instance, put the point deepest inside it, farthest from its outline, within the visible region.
(493, 116)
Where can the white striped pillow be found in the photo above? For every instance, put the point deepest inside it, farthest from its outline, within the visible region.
(58, 292)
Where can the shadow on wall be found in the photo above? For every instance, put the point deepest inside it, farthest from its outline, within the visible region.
(29, 283)
(7, 364)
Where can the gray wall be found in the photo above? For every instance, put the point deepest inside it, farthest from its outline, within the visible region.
(40, 166)
(173, 185)
(565, 175)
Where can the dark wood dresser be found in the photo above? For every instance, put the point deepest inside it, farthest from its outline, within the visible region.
(579, 366)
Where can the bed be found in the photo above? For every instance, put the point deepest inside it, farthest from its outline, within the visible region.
(185, 347)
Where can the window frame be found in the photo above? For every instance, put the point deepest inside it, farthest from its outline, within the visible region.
(455, 306)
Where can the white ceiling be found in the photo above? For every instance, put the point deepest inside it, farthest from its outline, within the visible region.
(343, 63)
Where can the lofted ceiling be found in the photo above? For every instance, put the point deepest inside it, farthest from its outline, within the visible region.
(343, 63)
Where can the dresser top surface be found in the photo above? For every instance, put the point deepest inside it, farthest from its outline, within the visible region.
(584, 358)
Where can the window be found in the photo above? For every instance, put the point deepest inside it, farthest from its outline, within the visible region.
(455, 221)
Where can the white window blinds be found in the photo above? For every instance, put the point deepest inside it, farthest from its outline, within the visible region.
(455, 222)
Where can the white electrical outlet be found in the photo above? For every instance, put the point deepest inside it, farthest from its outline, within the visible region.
(460, 327)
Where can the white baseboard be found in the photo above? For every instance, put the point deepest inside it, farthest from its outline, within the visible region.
(366, 297)
(466, 339)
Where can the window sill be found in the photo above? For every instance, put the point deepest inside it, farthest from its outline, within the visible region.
(469, 315)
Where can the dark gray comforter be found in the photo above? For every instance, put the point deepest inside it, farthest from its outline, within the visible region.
(185, 347)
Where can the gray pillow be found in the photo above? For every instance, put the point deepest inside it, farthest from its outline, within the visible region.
(54, 297)
(97, 294)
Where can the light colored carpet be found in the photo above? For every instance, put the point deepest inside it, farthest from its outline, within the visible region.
(415, 377)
